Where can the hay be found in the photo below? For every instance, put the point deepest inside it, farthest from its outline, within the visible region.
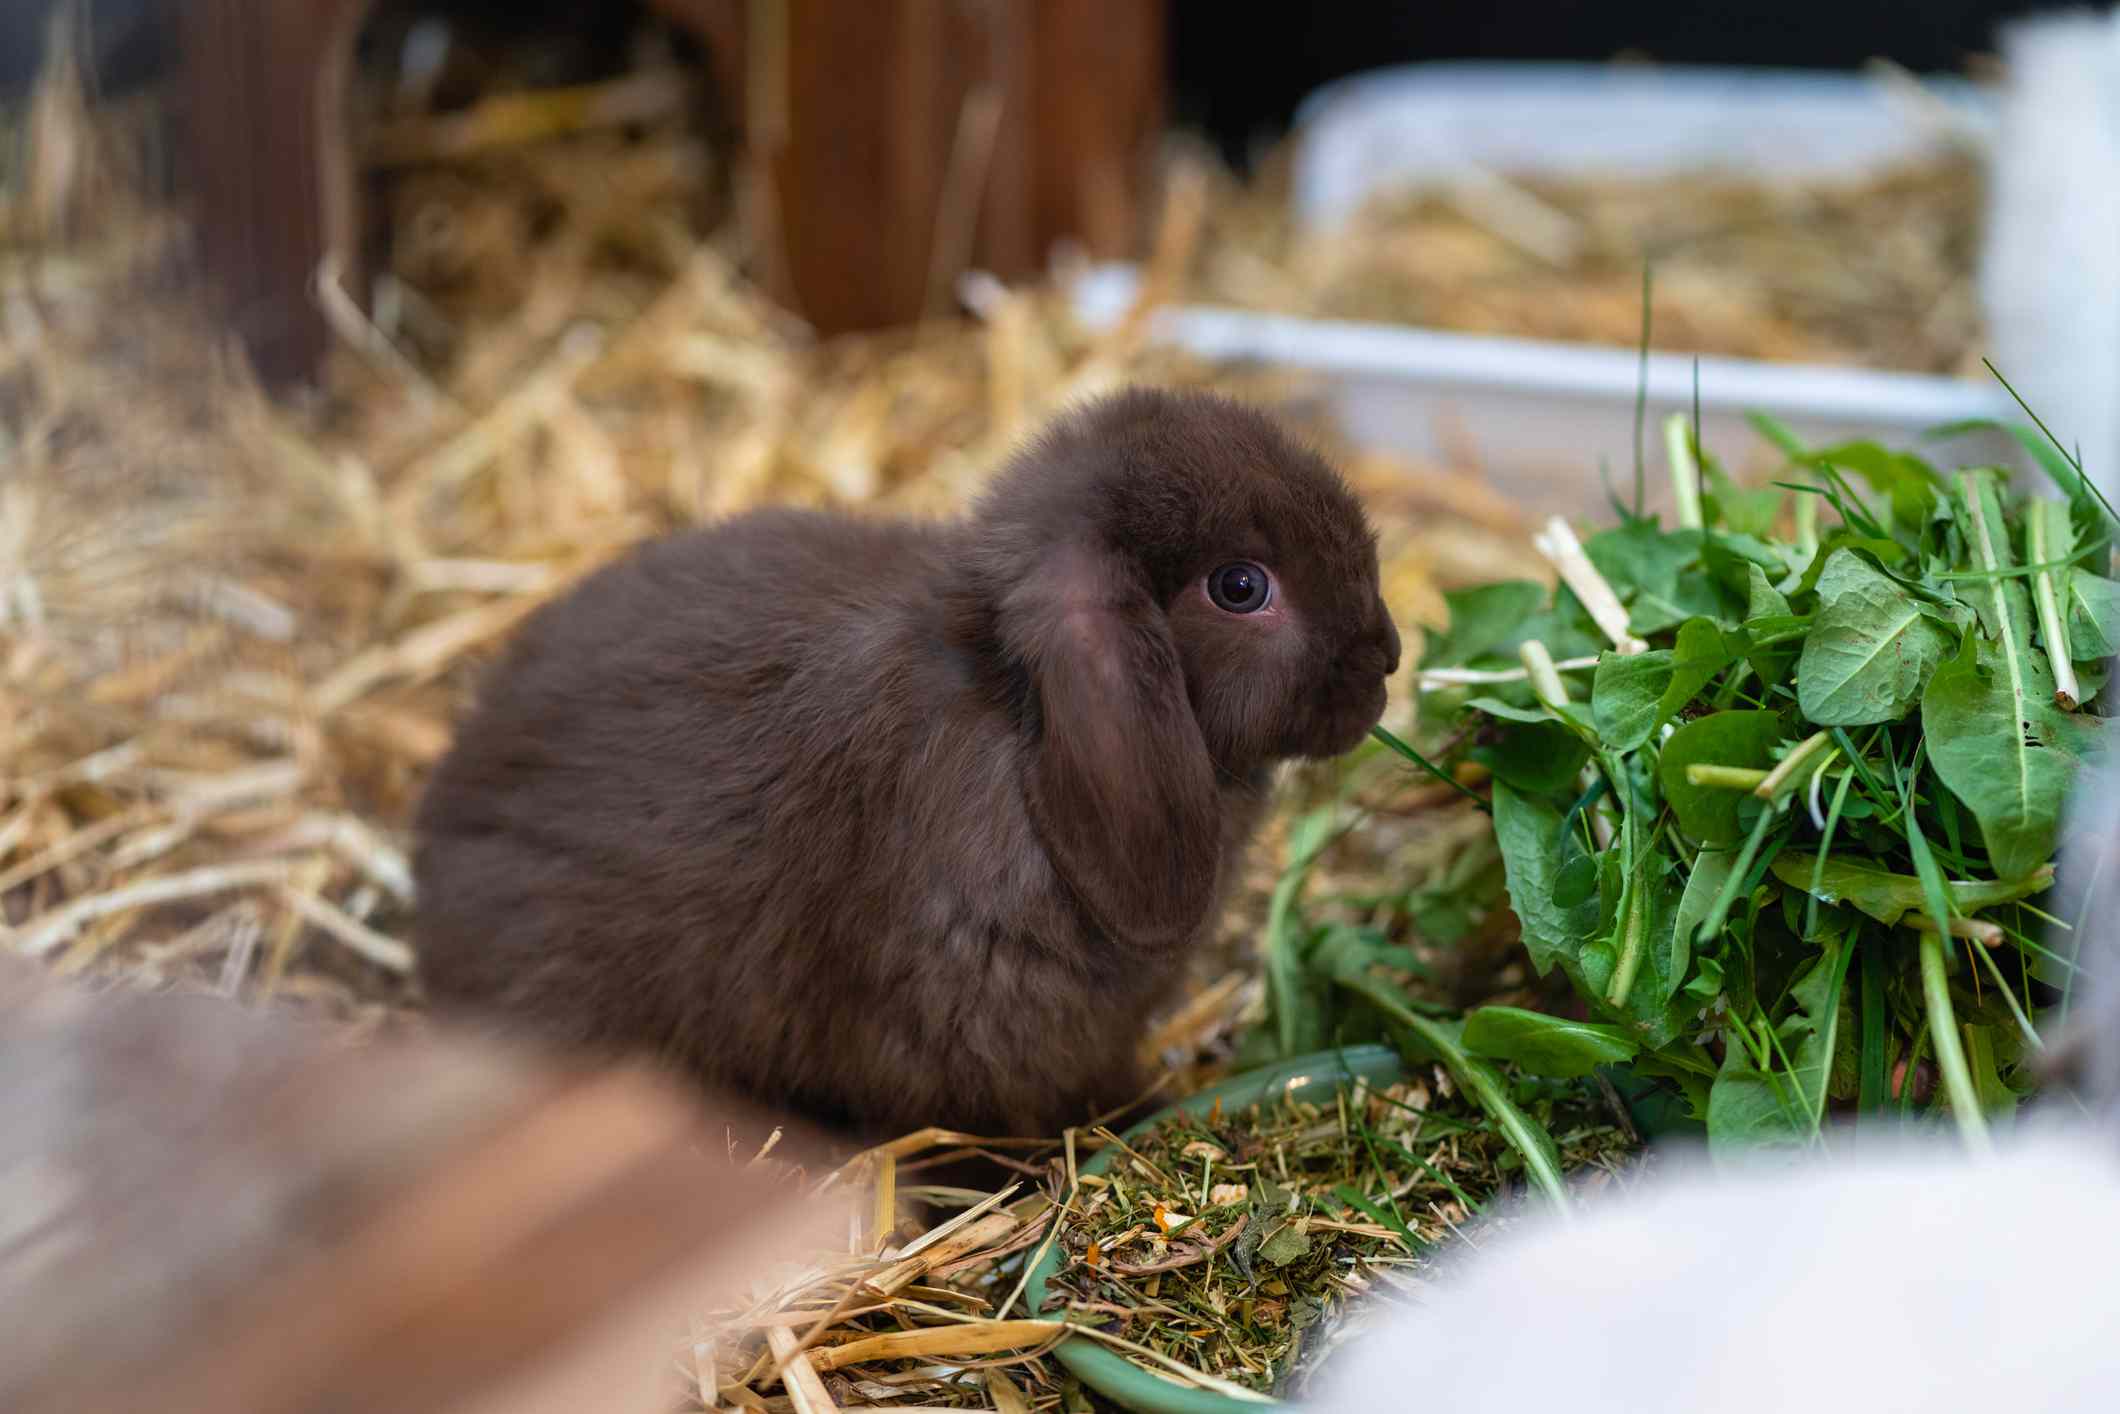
(235, 632)
(238, 632)
(1880, 270)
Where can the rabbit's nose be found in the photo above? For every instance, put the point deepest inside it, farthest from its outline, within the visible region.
(1391, 639)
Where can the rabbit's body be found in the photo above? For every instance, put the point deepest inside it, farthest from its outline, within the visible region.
(850, 745)
(831, 813)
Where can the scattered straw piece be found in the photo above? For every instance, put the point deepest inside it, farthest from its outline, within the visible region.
(383, 951)
(798, 1374)
(47, 931)
(971, 1338)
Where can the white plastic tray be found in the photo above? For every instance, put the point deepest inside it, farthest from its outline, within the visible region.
(1540, 416)
(1427, 122)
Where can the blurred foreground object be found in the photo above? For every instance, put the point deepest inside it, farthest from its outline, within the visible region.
(2052, 267)
(238, 1211)
(1922, 1279)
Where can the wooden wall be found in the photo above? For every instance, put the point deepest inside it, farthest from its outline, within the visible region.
(891, 144)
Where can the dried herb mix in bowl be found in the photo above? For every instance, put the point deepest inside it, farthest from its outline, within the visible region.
(1234, 1240)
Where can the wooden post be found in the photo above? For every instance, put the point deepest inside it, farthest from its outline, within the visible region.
(1097, 104)
(267, 164)
(902, 141)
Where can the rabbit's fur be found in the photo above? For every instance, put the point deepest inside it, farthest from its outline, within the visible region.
(899, 824)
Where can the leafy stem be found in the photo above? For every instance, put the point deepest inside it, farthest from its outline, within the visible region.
(1634, 909)
(1633, 941)
(2038, 525)
(1806, 527)
(1545, 677)
(1558, 544)
(1784, 772)
(1950, 1052)
(1685, 475)
(1714, 777)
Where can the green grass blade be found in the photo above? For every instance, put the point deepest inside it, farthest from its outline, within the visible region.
(1641, 402)
(1874, 1066)
(1472, 1204)
(1776, 431)
(1346, 1194)
(1476, 1078)
(1405, 750)
(1284, 959)
(1719, 912)
(2081, 483)
(2009, 997)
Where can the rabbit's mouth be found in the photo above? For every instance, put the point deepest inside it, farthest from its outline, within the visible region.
(1345, 719)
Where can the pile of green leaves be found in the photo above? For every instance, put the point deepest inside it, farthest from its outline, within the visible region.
(1793, 853)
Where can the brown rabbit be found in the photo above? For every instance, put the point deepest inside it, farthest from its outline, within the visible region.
(905, 824)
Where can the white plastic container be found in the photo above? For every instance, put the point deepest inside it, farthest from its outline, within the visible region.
(1540, 417)
(1394, 127)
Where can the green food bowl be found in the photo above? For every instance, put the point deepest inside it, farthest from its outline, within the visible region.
(1310, 1078)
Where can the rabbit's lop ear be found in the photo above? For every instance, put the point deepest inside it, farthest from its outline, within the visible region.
(1120, 785)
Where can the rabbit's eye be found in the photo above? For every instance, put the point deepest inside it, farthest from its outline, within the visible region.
(1240, 588)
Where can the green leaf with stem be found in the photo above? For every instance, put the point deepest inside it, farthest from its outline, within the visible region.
(1815, 885)
(1685, 475)
(1539, 757)
(1996, 1098)
(2093, 616)
(1546, 1045)
(1536, 848)
(1778, 432)
(1633, 939)
(1989, 720)
(1486, 621)
(1889, 897)
(1704, 885)
(1739, 738)
(1870, 651)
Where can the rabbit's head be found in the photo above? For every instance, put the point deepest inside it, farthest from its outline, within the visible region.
(1200, 521)
(1191, 598)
